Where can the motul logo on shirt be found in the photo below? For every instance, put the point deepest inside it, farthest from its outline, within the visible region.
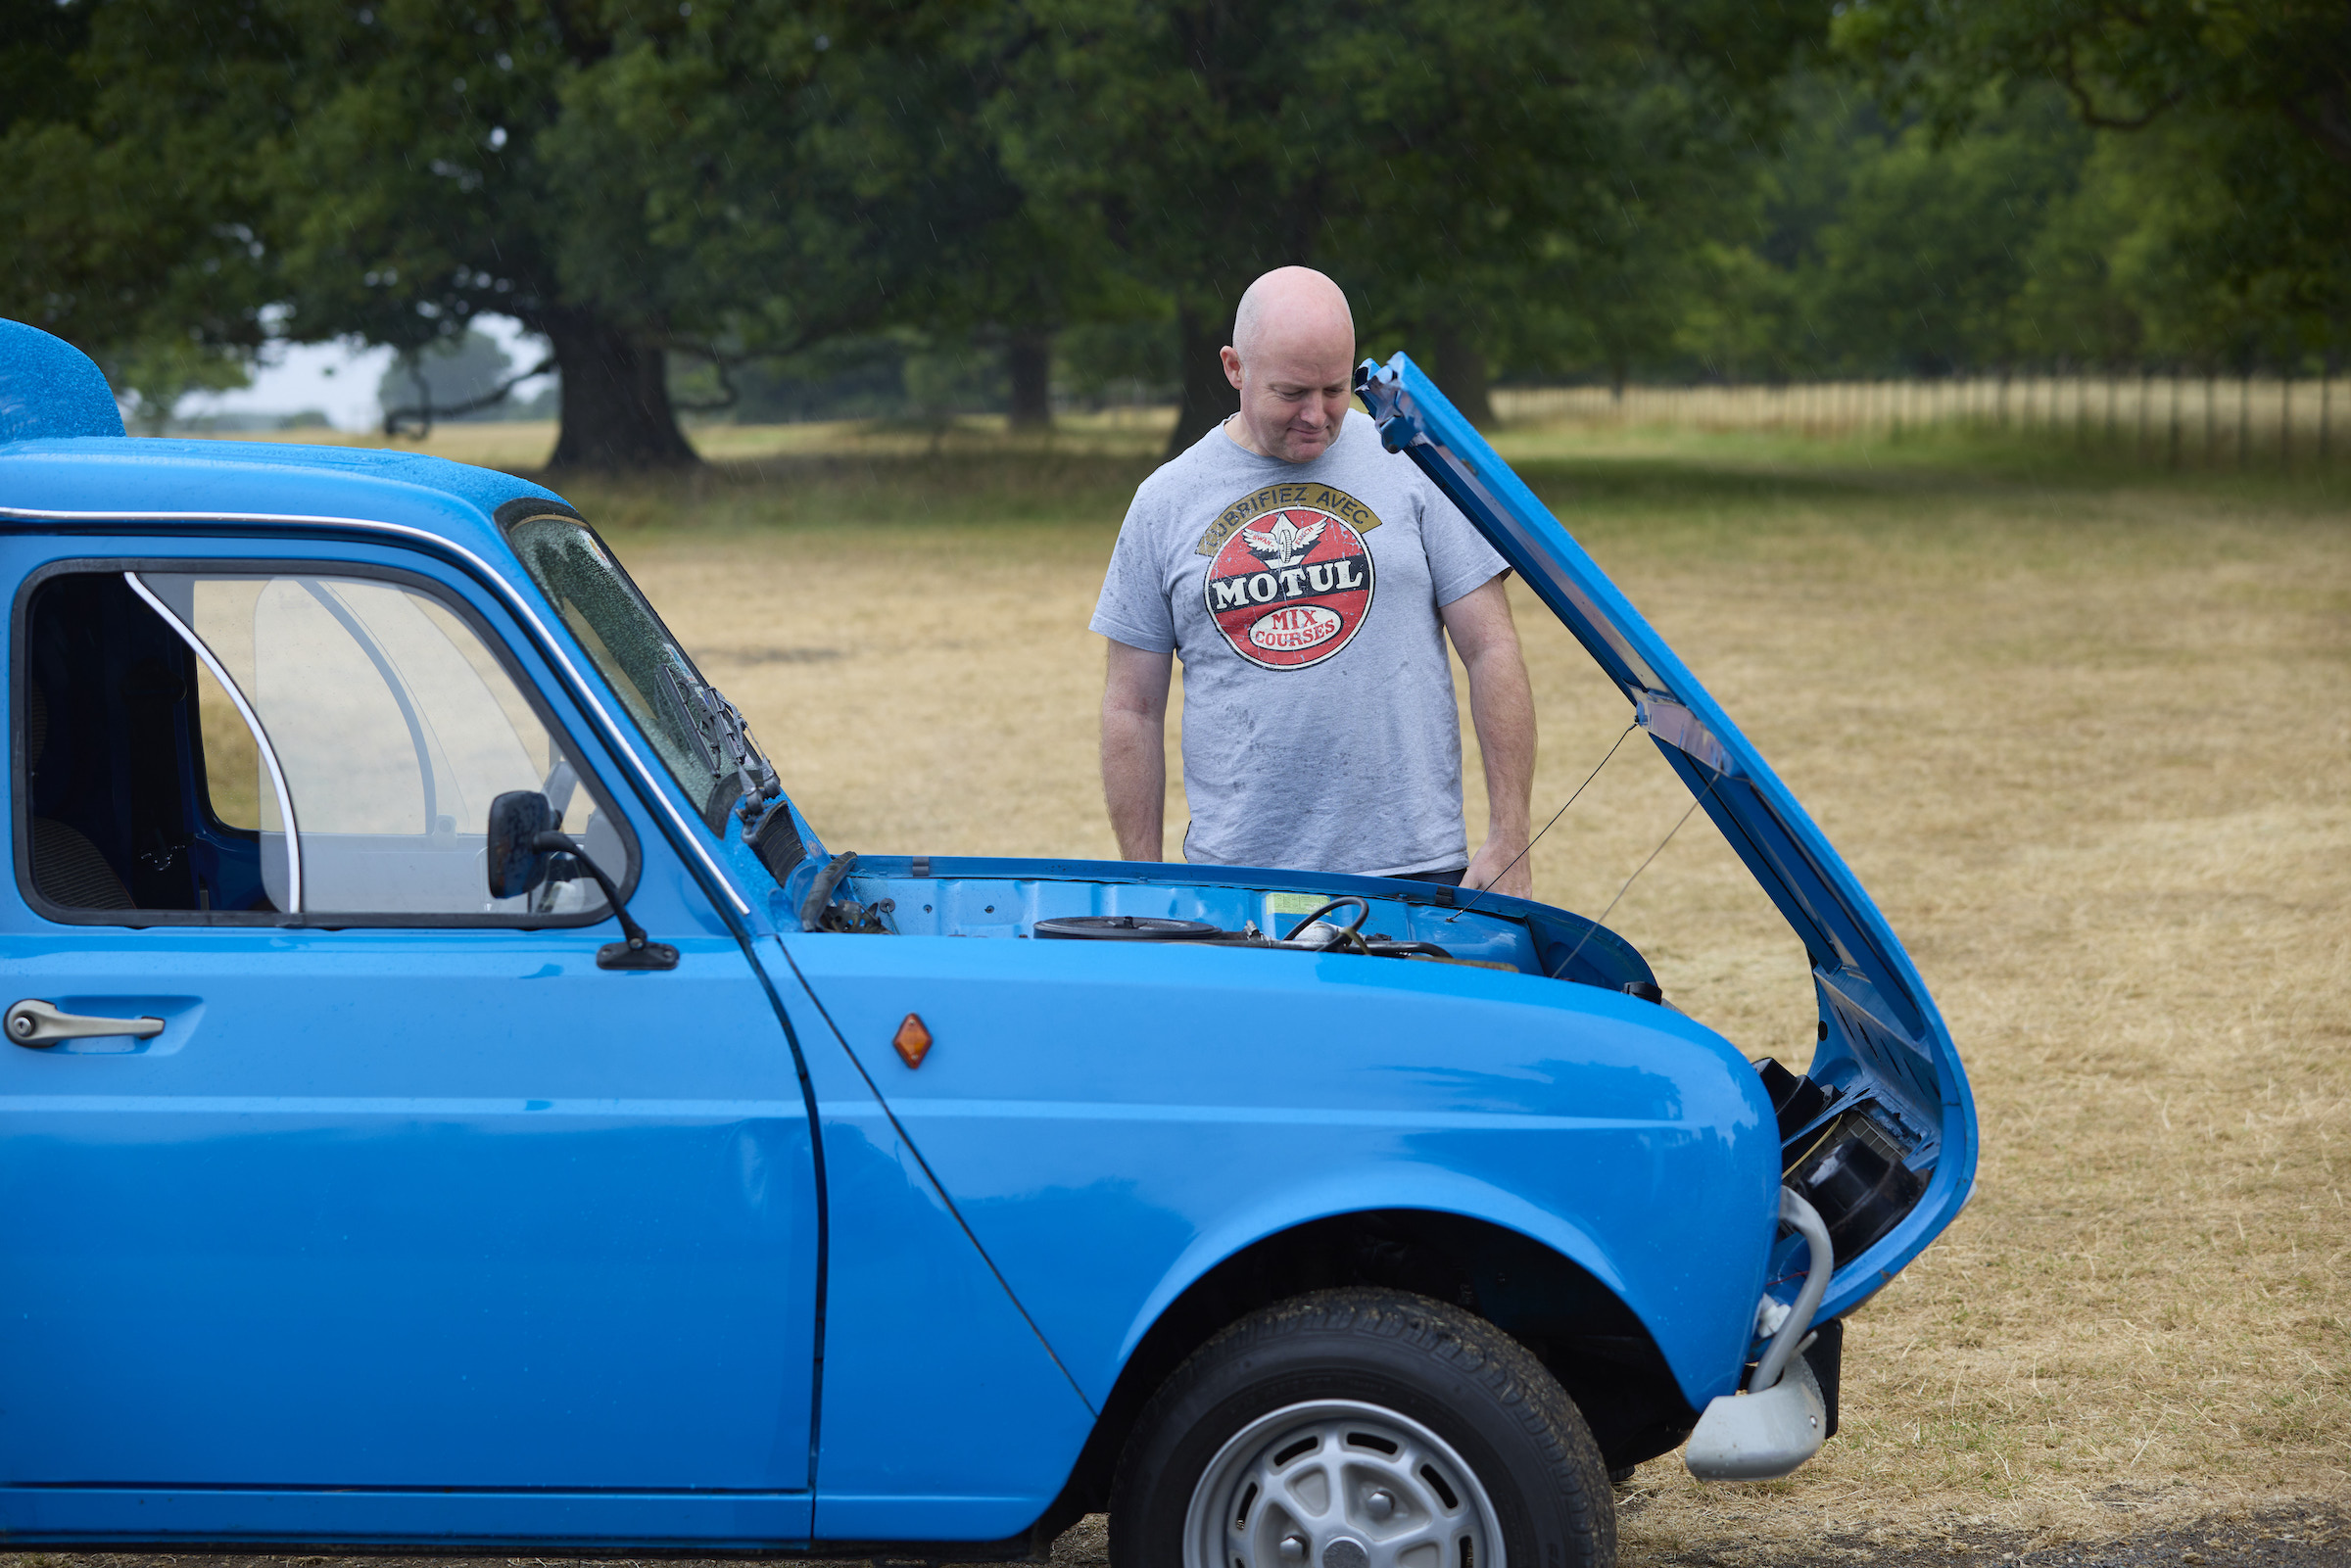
(1293, 590)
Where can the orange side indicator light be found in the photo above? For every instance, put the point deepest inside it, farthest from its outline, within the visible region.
(913, 1041)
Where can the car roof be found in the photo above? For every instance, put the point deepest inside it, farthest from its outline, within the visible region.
(86, 477)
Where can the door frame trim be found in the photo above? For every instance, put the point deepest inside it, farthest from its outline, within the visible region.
(490, 578)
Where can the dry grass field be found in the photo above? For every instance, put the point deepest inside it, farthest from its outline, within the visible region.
(2085, 736)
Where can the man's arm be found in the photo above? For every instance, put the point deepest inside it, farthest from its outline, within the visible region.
(1135, 748)
(1502, 708)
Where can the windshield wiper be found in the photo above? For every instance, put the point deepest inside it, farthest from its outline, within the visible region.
(722, 741)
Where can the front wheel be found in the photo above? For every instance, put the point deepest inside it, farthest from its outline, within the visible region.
(1361, 1429)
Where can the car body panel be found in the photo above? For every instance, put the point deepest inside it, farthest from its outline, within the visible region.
(441, 1519)
(1111, 1119)
(461, 1254)
(1883, 1039)
(945, 1416)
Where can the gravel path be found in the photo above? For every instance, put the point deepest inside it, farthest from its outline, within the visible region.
(2289, 1538)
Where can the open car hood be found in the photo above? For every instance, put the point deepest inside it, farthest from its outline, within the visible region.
(1885, 1044)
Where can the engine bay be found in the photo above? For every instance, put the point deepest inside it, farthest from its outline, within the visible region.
(1378, 918)
(1327, 928)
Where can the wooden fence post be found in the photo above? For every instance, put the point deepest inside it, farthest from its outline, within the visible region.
(2325, 404)
(2244, 420)
(2285, 416)
(2171, 456)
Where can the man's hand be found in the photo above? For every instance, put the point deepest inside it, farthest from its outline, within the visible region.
(1135, 748)
(1502, 708)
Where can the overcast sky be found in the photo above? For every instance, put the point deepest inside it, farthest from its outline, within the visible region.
(341, 380)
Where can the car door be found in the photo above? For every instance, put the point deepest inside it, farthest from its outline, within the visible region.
(389, 1212)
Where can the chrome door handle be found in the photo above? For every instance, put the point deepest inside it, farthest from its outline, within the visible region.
(39, 1023)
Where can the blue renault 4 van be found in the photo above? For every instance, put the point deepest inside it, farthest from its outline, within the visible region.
(454, 1100)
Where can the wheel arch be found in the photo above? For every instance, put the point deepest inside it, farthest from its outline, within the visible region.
(1574, 1319)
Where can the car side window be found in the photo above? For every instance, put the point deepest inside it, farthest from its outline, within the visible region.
(261, 744)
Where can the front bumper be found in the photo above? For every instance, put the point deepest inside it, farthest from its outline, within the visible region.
(1760, 1437)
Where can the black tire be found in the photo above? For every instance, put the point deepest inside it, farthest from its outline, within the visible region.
(1421, 1362)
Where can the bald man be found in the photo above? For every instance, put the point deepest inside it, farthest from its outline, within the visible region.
(1308, 579)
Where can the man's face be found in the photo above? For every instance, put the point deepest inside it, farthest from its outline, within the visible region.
(1294, 389)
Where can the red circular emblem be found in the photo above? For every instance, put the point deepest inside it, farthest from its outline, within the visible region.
(1290, 587)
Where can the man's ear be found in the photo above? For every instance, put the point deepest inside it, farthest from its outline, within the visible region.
(1232, 364)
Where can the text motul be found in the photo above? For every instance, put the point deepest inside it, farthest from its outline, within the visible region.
(1291, 581)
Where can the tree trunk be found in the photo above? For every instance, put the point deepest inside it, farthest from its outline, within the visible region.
(615, 398)
(1029, 358)
(1208, 398)
(1462, 375)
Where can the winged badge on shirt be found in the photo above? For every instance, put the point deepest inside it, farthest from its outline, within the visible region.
(1290, 587)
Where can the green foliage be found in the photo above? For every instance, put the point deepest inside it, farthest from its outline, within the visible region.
(1448, 162)
(880, 207)
(1929, 243)
(1926, 249)
(627, 177)
(118, 227)
(2242, 192)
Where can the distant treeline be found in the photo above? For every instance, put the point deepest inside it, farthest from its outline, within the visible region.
(780, 210)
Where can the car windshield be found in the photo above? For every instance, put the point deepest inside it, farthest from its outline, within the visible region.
(699, 737)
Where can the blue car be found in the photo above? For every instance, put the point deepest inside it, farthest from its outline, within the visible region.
(454, 1100)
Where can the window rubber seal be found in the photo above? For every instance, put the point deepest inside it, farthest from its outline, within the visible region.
(253, 722)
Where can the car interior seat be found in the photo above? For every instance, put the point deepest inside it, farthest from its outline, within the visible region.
(66, 867)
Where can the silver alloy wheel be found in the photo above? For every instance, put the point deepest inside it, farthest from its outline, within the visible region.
(1339, 1484)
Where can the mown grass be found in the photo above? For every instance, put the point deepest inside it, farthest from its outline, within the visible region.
(2081, 728)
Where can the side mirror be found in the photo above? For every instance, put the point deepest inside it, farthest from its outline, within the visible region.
(522, 836)
(517, 864)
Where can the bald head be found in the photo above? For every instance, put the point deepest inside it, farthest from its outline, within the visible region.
(1293, 307)
(1292, 359)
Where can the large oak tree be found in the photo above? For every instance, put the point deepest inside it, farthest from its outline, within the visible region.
(630, 180)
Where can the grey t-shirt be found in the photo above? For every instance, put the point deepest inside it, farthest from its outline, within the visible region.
(1320, 730)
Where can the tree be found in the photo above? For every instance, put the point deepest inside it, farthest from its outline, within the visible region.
(1872, 245)
(139, 247)
(1619, 291)
(1484, 177)
(1159, 127)
(2249, 101)
(629, 180)
(440, 161)
(1427, 155)
(1925, 264)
